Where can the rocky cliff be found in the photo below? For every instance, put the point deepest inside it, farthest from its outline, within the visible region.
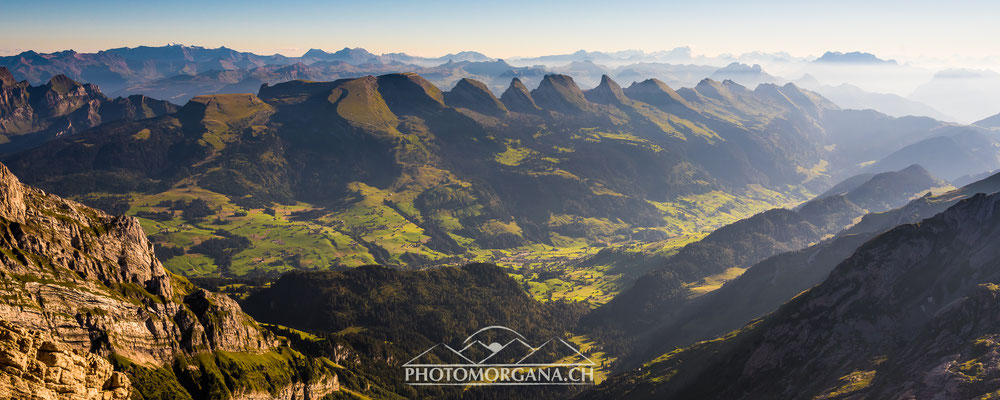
(90, 281)
(36, 367)
(30, 115)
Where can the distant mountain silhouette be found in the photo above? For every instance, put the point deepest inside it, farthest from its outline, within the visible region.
(854, 57)
(990, 122)
(743, 74)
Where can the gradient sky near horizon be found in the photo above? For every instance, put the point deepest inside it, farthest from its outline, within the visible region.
(891, 29)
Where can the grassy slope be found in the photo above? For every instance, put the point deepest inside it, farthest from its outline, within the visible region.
(281, 242)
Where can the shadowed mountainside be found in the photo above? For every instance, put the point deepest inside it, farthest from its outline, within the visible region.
(910, 313)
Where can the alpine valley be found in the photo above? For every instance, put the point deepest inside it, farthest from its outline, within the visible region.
(301, 227)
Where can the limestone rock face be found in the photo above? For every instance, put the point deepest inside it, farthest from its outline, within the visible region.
(79, 285)
(92, 280)
(299, 390)
(11, 196)
(38, 368)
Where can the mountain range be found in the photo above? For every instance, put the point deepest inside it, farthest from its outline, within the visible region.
(460, 171)
(709, 241)
(908, 314)
(392, 170)
(31, 115)
(178, 73)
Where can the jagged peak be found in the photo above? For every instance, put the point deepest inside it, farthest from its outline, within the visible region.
(728, 87)
(656, 93)
(471, 84)
(559, 92)
(558, 80)
(62, 84)
(476, 96)
(713, 89)
(916, 169)
(315, 53)
(734, 87)
(413, 78)
(607, 92)
(795, 96)
(408, 93)
(517, 98)
(773, 91)
(516, 84)
(12, 206)
(791, 86)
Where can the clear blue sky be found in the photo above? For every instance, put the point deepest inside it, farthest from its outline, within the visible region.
(509, 28)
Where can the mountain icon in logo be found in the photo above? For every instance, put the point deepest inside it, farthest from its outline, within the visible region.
(440, 354)
(477, 351)
(488, 347)
(510, 353)
(555, 351)
(498, 355)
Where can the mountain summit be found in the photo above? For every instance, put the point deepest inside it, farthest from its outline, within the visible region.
(474, 95)
(517, 98)
(92, 283)
(854, 57)
(657, 94)
(560, 93)
(608, 92)
(31, 115)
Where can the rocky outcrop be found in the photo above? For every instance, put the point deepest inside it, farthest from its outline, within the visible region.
(298, 390)
(714, 90)
(409, 93)
(30, 115)
(657, 94)
(608, 92)
(475, 96)
(91, 282)
(36, 367)
(560, 93)
(517, 98)
(793, 96)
